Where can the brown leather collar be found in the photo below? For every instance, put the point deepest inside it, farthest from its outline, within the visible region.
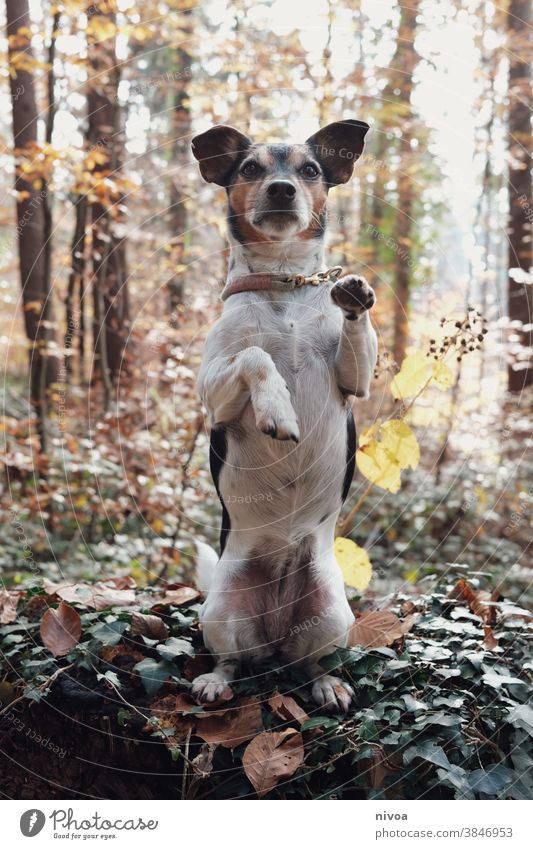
(277, 282)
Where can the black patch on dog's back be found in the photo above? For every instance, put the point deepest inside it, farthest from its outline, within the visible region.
(350, 455)
(218, 449)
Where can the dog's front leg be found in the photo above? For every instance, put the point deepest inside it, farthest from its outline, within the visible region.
(356, 356)
(227, 383)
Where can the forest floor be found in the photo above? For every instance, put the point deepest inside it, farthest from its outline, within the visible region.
(95, 701)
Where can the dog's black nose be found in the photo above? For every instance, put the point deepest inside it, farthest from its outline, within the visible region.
(281, 190)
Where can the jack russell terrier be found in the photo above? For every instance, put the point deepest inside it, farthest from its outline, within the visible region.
(292, 344)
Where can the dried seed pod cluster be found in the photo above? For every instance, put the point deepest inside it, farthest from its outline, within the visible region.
(467, 336)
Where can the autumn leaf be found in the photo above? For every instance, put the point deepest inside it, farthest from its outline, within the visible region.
(479, 601)
(181, 595)
(8, 605)
(354, 562)
(146, 625)
(412, 377)
(97, 596)
(377, 628)
(287, 709)
(231, 727)
(60, 629)
(272, 756)
(490, 642)
(385, 450)
(416, 371)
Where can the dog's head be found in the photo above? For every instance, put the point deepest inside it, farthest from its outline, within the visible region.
(278, 192)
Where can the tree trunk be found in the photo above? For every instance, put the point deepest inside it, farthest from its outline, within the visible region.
(31, 225)
(181, 134)
(520, 201)
(404, 64)
(75, 321)
(110, 294)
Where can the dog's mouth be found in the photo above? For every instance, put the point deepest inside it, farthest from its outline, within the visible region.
(273, 215)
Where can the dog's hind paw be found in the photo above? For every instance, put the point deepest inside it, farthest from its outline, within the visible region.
(333, 694)
(208, 687)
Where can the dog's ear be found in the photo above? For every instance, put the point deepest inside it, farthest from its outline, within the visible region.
(338, 147)
(217, 151)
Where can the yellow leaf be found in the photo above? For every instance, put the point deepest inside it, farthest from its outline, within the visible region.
(442, 376)
(377, 466)
(157, 525)
(412, 377)
(384, 450)
(354, 562)
(400, 442)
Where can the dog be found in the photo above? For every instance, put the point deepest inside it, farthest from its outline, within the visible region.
(291, 347)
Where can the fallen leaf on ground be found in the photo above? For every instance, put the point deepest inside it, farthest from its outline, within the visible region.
(490, 642)
(272, 756)
(8, 605)
(287, 709)
(169, 721)
(97, 596)
(231, 727)
(377, 628)
(60, 629)
(146, 625)
(477, 600)
(186, 704)
(124, 582)
(182, 595)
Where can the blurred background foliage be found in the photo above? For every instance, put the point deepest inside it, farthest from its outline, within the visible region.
(112, 257)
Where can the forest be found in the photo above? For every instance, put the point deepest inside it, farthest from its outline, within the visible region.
(113, 255)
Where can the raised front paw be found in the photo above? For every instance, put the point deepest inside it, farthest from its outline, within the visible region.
(353, 295)
(274, 413)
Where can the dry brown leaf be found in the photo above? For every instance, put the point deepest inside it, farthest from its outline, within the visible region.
(181, 595)
(98, 596)
(121, 655)
(377, 628)
(124, 582)
(287, 709)
(60, 629)
(272, 756)
(145, 625)
(164, 710)
(490, 642)
(8, 605)
(108, 597)
(476, 601)
(231, 727)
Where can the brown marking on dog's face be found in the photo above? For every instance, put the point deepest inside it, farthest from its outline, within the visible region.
(278, 192)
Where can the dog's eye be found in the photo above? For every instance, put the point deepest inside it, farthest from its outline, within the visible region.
(310, 171)
(251, 170)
